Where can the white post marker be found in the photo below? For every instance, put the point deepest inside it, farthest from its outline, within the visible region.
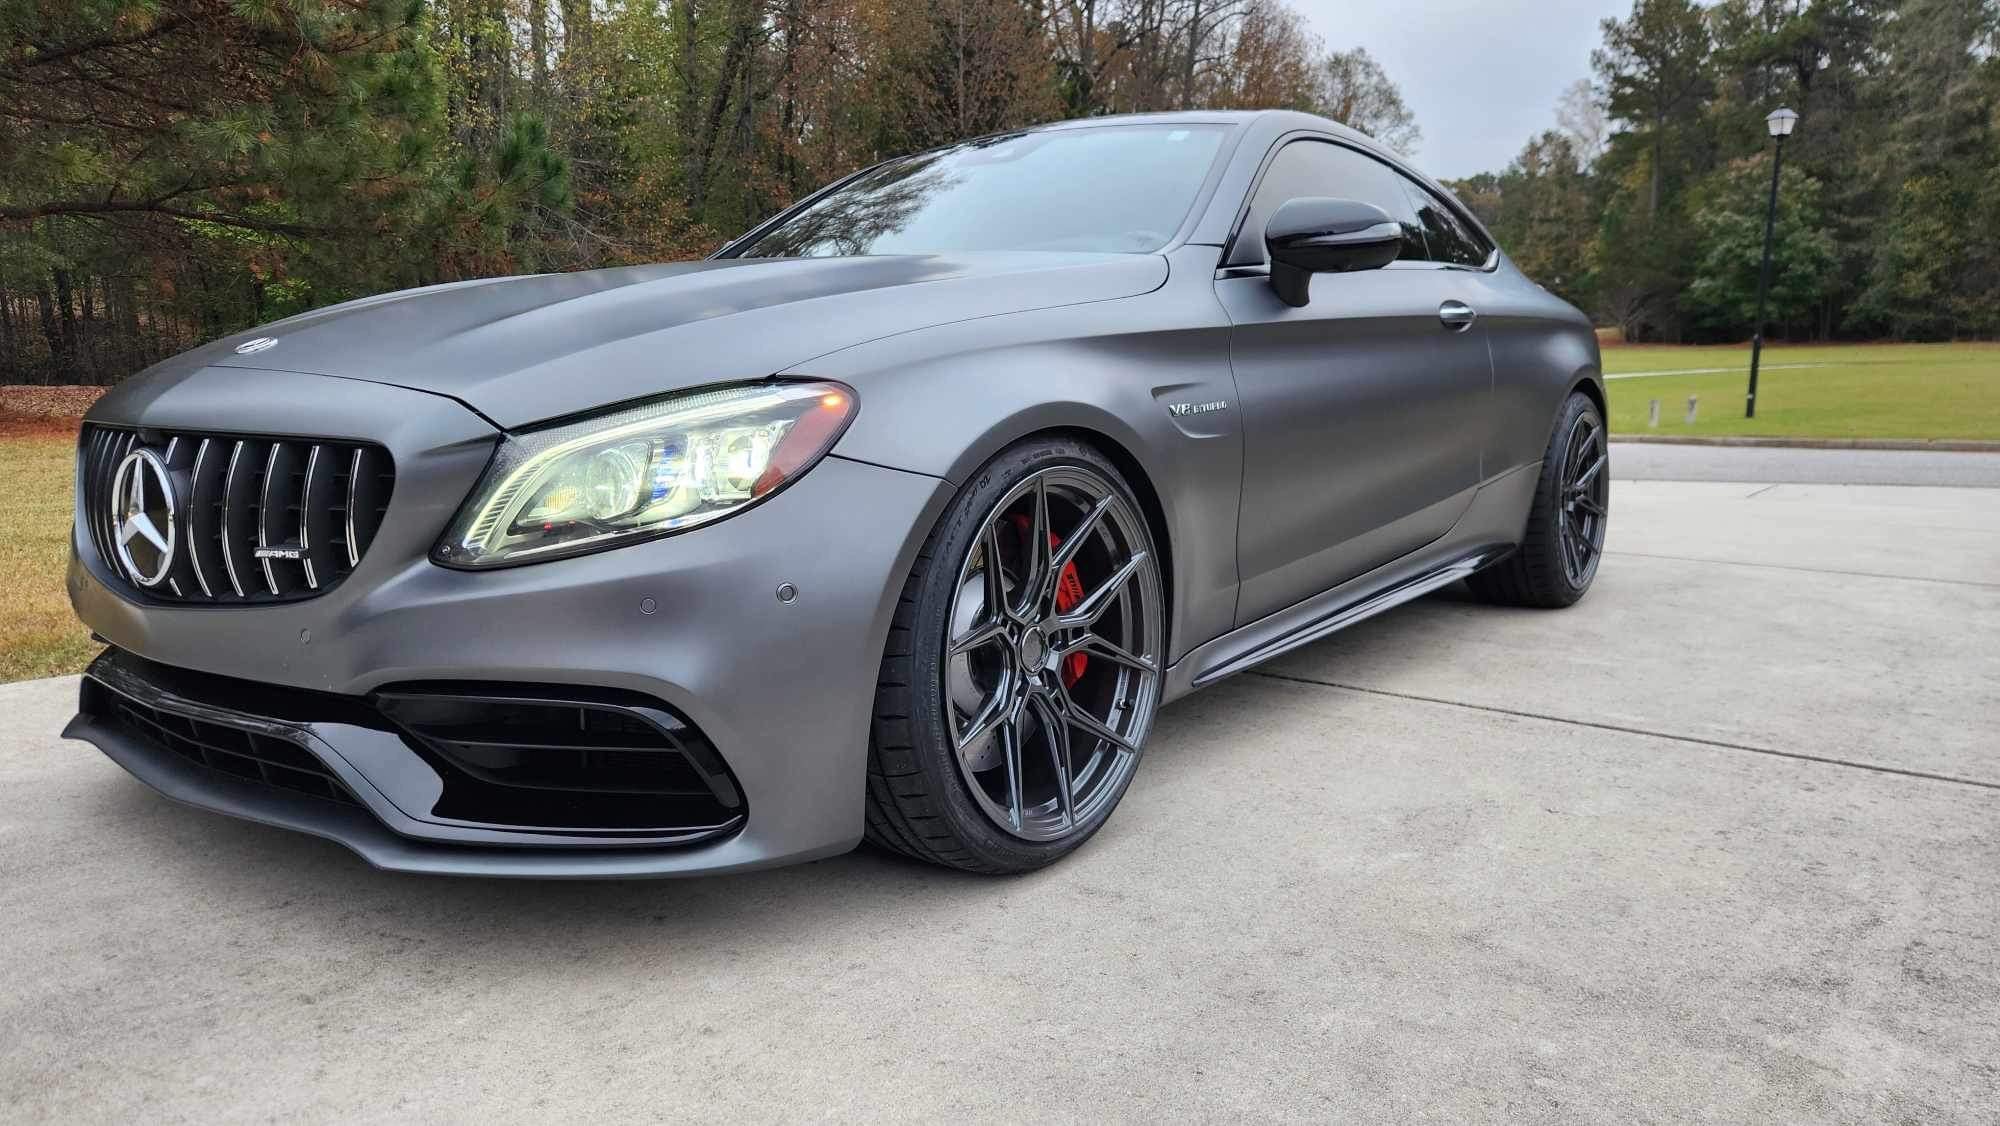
(1691, 407)
(1653, 415)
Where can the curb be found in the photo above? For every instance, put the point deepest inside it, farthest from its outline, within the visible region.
(1948, 445)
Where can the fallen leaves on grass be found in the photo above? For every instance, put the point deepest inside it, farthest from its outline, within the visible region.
(44, 412)
(65, 402)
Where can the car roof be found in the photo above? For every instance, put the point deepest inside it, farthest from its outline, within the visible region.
(1283, 119)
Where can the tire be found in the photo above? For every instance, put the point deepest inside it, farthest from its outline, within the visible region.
(1564, 540)
(988, 682)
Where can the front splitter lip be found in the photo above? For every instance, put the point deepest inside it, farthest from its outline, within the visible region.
(361, 832)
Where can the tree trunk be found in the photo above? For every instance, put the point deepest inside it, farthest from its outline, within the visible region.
(538, 44)
(88, 344)
(1659, 155)
(51, 332)
(65, 298)
(10, 359)
(1087, 57)
(702, 144)
(1193, 53)
(687, 105)
(576, 24)
(132, 345)
(788, 101)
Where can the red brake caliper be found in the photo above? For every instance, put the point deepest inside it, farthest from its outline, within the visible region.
(1069, 592)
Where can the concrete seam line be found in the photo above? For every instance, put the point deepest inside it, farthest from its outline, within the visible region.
(1809, 570)
(1797, 756)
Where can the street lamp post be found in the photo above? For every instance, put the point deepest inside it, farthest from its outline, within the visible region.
(1780, 123)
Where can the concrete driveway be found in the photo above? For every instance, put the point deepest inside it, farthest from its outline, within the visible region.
(1721, 843)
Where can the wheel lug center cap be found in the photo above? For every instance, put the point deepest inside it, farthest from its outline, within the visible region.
(1033, 648)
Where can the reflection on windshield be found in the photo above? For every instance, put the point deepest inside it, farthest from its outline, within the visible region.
(1113, 188)
(855, 218)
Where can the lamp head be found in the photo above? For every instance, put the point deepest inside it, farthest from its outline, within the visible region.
(1781, 122)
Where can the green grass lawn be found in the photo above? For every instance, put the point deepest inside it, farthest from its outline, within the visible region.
(38, 634)
(1830, 391)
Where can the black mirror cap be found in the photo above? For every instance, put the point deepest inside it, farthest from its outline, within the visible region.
(1316, 235)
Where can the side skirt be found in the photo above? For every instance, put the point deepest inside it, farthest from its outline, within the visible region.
(1490, 528)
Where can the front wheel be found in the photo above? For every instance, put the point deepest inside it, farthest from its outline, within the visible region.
(1023, 666)
(1564, 539)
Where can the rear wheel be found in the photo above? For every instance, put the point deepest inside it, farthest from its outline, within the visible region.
(1023, 666)
(1564, 539)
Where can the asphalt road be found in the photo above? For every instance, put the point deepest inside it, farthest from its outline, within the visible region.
(1722, 843)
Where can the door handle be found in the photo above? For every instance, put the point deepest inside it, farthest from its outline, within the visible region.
(1457, 315)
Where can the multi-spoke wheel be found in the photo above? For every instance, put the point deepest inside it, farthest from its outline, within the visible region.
(1585, 498)
(1564, 538)
(1023, 668)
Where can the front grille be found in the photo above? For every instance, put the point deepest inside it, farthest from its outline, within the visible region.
(251, 755)
(256, 518)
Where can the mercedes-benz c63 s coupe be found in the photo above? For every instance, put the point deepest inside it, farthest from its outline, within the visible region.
(898, 518)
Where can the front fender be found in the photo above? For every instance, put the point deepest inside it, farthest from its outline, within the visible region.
(944, 401)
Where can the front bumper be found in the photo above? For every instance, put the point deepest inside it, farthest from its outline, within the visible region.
(783, 691)
(290, 771)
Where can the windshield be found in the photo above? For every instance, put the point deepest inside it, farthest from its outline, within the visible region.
(1116, 188)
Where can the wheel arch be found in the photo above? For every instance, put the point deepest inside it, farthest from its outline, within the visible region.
(1151, 504)
(1150, 507)
(1592, 385)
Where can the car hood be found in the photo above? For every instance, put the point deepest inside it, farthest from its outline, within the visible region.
(523, 349)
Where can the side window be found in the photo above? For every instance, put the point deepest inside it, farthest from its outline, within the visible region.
(1451, 238)
(1321, 168)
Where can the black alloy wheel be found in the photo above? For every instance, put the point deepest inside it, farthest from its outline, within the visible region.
(1585, 498)
(1564, 541)
(1030, 671)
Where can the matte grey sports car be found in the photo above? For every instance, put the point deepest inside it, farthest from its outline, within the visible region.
(898, 518)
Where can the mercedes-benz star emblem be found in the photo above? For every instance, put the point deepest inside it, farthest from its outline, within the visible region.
(142, 512)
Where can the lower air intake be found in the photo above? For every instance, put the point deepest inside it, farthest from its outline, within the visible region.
(583, 760)
(254, 756)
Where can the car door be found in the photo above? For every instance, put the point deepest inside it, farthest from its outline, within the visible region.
(1361, 411)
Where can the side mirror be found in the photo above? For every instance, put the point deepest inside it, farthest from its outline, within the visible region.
(1315, 235)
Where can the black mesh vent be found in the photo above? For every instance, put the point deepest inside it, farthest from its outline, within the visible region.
(250, 755)
(257, 519)
(557, 761)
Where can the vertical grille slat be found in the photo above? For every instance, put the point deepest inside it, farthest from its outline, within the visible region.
(353, 542)
(271, 508)
(94, 488)
(368, 499)
(306, 510)
(91, 486)
(233, 487)
(316, 502)
(109, 448)
(199, 519)
(103, 503)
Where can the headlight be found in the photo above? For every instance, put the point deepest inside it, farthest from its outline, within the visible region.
(644, 471)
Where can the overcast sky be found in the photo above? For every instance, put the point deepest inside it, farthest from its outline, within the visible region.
(1482, 76)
